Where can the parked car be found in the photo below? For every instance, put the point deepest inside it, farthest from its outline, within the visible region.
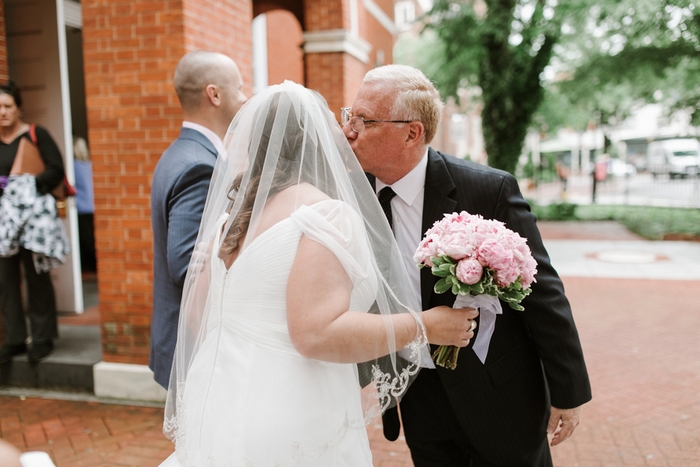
(675, 157)
(620, 168)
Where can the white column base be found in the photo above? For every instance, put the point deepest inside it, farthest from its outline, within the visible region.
(126, 381)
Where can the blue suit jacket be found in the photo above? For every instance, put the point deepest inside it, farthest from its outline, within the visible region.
(178, 194)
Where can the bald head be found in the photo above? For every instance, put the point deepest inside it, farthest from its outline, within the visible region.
(208, 85)
(196, 70)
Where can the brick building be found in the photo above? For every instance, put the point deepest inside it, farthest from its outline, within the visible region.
(102, 69)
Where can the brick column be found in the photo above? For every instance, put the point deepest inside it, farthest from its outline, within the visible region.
(336, 75)
(336, 54)
(131, 49)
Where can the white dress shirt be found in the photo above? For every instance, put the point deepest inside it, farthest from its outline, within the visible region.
(407, 217)
(210, 135)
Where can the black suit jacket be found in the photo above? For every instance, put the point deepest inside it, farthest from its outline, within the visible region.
(534, 356)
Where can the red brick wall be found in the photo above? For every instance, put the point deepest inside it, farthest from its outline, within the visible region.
(4, 72)
(378, 36)
(131, 49)
(285, 58)
(221, 26)
(336, 75)
(321, 15)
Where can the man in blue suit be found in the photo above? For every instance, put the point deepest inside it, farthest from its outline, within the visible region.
(533, 378)
(208, 85)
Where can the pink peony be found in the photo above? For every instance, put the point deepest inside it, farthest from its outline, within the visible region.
(457, 244)
(466, 238)
(507, 275)
(493, 255)
(424, 252)
(529, 270)
(469, 271)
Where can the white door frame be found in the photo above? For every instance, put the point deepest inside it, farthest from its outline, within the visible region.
(38, 61)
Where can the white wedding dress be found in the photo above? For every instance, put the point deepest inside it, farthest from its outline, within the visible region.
(250, 399)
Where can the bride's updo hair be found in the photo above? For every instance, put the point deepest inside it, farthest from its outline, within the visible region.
(299, 161)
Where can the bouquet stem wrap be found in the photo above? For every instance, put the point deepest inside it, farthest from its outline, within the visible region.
(489, 306)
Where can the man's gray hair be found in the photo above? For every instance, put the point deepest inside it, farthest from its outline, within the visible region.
(195, 71)
(416, 96)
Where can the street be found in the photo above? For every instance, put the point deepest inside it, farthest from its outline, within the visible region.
(638, 189)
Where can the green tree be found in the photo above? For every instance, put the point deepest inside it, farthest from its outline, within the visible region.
(501, 47)
(622, 54)
(602, 59)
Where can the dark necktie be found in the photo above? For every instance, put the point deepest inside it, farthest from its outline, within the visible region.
(385, 195)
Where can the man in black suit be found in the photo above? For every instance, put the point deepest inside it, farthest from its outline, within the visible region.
(533, 380)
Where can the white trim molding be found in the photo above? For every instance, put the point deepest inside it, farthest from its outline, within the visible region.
(126, 381)
(337, 40)
(381, 16)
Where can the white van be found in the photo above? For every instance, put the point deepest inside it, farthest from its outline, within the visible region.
(675, 157)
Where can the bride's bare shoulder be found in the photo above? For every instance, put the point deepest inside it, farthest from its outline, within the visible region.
(305, 193)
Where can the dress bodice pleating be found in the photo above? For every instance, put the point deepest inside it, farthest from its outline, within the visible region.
(247, 298)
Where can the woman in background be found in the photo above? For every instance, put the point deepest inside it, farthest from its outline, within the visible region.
(85, 202)
(32, 238)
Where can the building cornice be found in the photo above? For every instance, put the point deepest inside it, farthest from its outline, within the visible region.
(381, 16)
(337, 40)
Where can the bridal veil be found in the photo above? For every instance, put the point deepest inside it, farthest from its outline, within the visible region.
(286, 135)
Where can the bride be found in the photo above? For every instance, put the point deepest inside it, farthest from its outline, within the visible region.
(296, 299)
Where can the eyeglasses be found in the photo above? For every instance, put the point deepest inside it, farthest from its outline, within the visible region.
(358, 123)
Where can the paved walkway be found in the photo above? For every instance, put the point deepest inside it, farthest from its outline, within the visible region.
(637, 311)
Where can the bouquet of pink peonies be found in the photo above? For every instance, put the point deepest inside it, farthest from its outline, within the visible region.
(480, 261)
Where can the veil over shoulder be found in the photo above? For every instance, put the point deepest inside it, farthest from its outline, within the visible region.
(285, 144)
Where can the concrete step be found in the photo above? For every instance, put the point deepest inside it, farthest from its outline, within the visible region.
(69, 366)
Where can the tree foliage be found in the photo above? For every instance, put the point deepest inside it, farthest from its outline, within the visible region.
(600, 61)
(621, 54)
(501, 47)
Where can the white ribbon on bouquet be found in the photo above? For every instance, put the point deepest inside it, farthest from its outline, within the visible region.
(489, 306)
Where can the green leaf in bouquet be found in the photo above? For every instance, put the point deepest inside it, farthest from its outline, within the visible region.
(512, 295)
(477, 288)
(516, 306)
(441, 271)
(443, 285)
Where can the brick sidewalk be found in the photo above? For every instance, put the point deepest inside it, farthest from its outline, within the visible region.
(641, 344)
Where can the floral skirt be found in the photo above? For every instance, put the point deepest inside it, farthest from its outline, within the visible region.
(29, 220)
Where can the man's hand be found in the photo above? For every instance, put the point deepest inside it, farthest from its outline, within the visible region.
(562, 423)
